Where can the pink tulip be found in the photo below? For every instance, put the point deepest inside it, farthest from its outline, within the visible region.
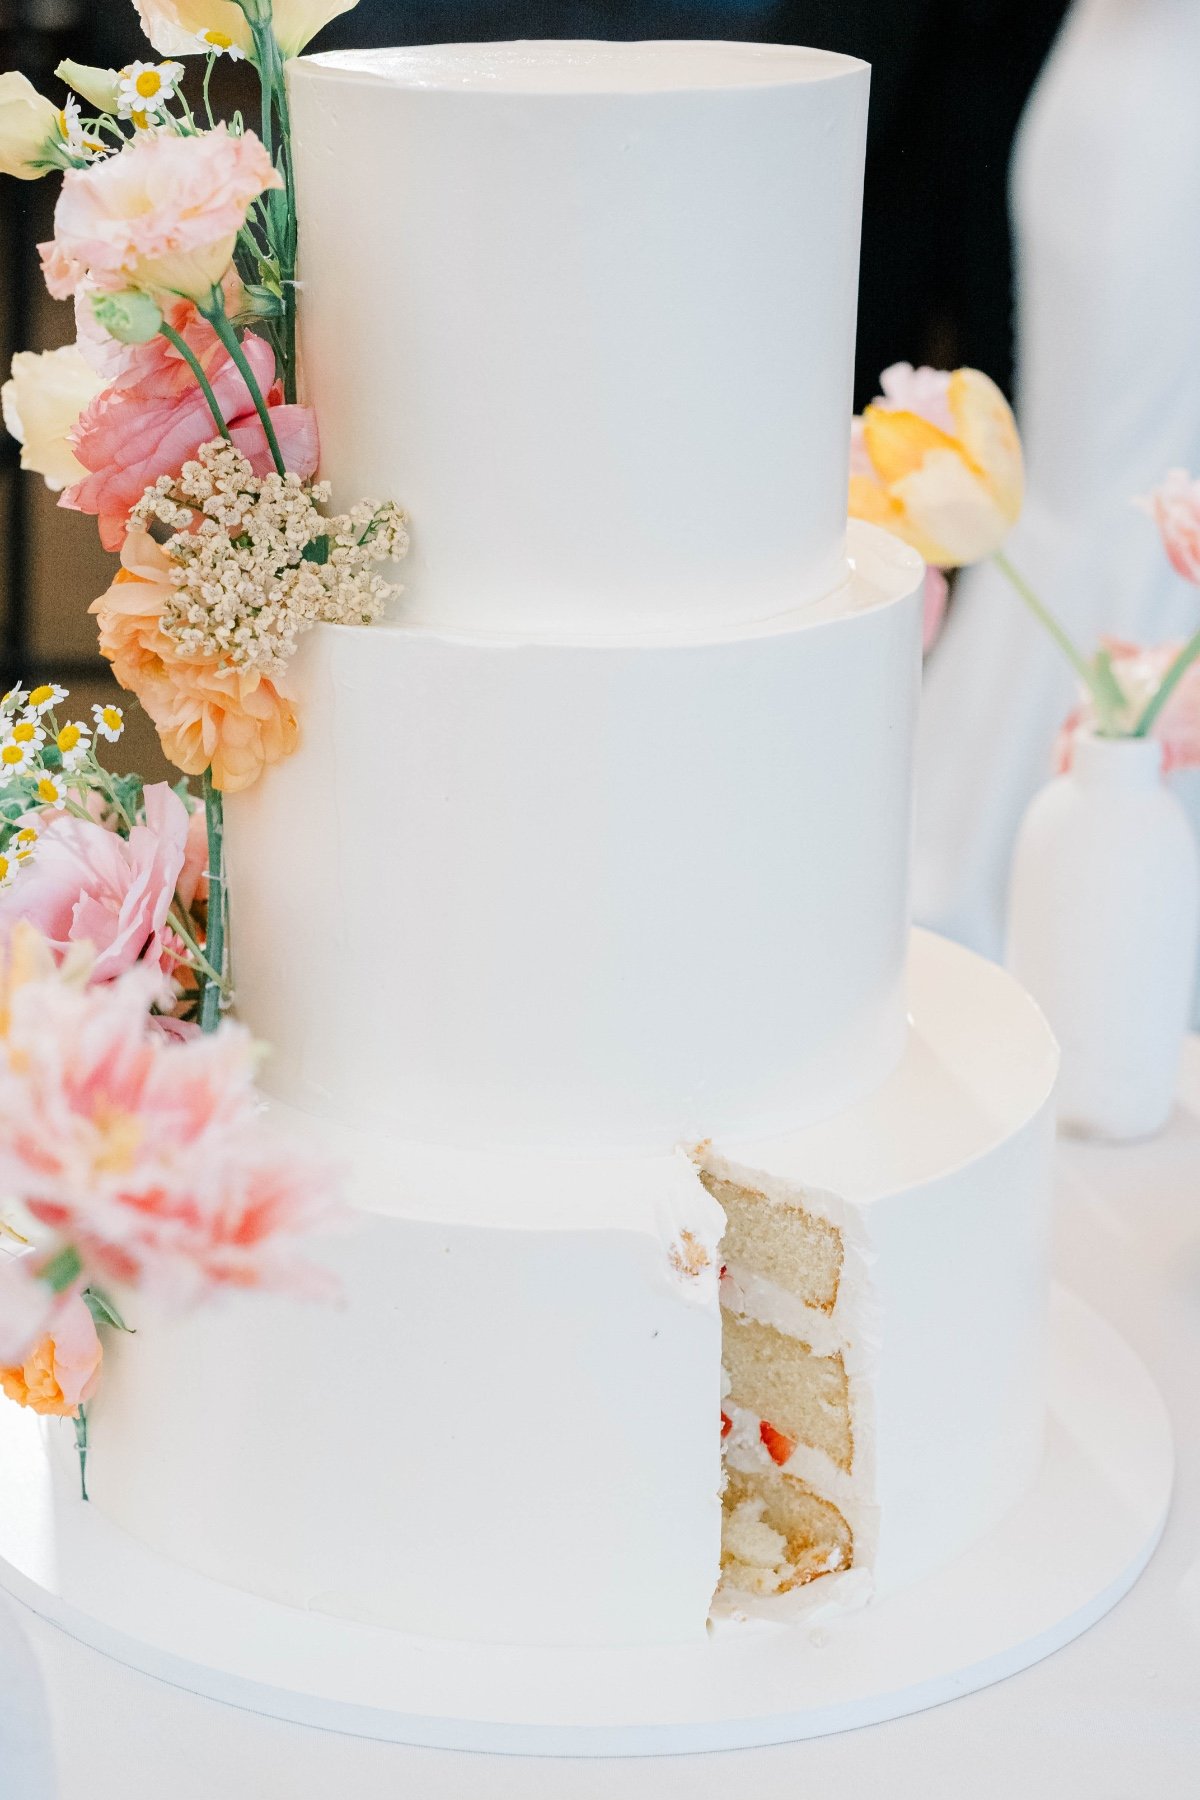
(154, 418)
(1175, 506)
(85, 884)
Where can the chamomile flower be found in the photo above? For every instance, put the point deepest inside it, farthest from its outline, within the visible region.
(15, 698)
(28, 731)
(15, 758)
(22, 842)
(8, 870)
(218, 44)
(145, 90)
(49, 788)
(85, 149)
(110, 722)
(73, 741)
(42, 698)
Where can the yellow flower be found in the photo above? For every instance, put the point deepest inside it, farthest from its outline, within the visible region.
(953, 494)
(30, 128)
(182, 27)
(41, 403)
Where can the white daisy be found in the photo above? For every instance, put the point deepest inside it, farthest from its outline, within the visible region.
(14, 699)
(73, 742)
(85, 148)
(216, 43)
(41, 699)
(145, 90)
(14, 759)
(8, 870)
(26, 730)
(110, 722)
(49, 789)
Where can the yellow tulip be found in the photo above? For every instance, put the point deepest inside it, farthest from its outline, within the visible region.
(952, 490)
(41, 403)
(181, 27)
(30, 129)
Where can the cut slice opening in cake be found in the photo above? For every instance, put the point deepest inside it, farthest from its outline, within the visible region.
(794, 1497)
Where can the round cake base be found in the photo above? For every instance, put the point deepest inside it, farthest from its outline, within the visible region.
(1055, 1565)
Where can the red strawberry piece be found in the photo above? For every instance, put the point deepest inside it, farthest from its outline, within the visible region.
(726, 1424)
(779, 1445)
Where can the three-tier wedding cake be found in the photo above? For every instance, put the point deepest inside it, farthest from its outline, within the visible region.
(699, 1250)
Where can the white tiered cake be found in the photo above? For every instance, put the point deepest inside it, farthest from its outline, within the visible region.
(701, 1234)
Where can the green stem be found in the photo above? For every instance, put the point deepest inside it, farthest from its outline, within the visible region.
(1106, 694)
(81, 1445)
(210, 999)
(208, 69)
(192, 360)
(219, 319)
(201, 961)
(1170, 681)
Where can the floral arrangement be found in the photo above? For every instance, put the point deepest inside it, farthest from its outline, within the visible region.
(133, 1153)
(936, 458)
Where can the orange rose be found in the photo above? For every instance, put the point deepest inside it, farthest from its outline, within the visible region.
(208, 715)
(62, 1370)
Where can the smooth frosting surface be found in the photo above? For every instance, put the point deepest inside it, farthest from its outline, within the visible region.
(597, 338)
(590, 65)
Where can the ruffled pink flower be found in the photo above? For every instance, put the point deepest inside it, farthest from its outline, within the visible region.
(150, 1154)
(923, 391)
(154, 418)
(27, 1307)
(162, 216)
(1140, 672)
(1175, 507)
(60, 1371)
(87, 885)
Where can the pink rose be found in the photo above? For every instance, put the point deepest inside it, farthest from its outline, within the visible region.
(87, 885)
(154, 418)
(1175, 507)
(162, 216)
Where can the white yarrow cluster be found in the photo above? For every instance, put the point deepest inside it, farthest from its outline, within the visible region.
(263, 564)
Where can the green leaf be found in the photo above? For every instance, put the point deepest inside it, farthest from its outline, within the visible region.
(103, 1311)
(63, 1268)
(316, 552)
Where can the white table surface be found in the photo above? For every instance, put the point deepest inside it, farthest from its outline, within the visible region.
(1113, 1716)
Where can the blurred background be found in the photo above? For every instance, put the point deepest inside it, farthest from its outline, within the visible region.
(1051, 241)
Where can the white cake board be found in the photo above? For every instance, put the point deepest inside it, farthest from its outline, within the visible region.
(1054, 1566)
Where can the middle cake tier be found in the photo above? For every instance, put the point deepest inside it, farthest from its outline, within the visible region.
(599, 898)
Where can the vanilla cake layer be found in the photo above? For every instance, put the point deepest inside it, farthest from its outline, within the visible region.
(599, 341)
(509, 1428)
(558, 898)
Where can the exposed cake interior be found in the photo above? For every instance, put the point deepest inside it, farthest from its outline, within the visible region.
(788, 1414)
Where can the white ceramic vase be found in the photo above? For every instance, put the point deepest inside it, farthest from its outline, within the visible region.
(1104, 910)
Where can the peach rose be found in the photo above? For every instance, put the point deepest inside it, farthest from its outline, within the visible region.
(154, 418)
(234, 721)
(62, 1369)
(163, 215)
(42, 401)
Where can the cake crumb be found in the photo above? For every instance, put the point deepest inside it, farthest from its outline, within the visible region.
(688, 1256)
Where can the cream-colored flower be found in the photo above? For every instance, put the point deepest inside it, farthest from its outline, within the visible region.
(950, 486)
(110, 722)
(41, 402)
(179, 27)
(99, 87)
(145, 90)
(30, 129)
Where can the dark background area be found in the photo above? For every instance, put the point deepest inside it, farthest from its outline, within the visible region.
(950, 78)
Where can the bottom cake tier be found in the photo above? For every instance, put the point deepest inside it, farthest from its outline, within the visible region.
(579, 1401)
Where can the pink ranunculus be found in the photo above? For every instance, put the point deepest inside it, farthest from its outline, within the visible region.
(148, 1153)
(154, 418)
(85, 884)
(162, 216)
(1140, 672)
(923, 391)
(1175, 507)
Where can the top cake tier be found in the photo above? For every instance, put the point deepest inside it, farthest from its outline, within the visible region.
(587, 311)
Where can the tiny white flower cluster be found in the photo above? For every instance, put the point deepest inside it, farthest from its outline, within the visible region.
(264, 564)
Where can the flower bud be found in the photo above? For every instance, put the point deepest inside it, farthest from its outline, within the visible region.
(97, 86)
(131, 317)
